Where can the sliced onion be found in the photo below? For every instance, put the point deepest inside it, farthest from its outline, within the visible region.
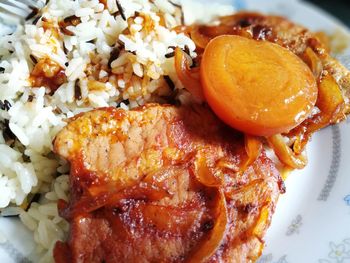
(332, 108)
(204, 174)
(313, 61)
(198, 38)
(189, 77)
(285, 153)
(263, 220)
(104, 195)
(182, 29)
(211, 243)
(253, 147)
(330, 100)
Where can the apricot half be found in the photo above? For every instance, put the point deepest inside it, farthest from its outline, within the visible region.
(256, 87)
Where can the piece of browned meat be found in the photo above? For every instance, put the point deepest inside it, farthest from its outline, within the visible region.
(163, 184)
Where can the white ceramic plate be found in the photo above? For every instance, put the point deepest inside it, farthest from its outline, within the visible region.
(312, 220)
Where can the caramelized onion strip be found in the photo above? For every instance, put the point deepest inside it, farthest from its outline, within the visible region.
(198, 38)
(253, 147)
(188, 77)
(313, 61)
(285, 154)
(204, 174)
(211, 243)
(330, 100)
(332, 108)
(100, 196)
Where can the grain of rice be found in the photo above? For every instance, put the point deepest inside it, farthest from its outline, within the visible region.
(52, 196)
(49, 209)
(96, 101)
(123, 106)
(28, 221)
(102, 74)
(34, 212)
(121, 83)
(20, 134)
(120, 61)
(57, 219)
(84, 12)
(60, 192)
(137, 68)
(43, 234)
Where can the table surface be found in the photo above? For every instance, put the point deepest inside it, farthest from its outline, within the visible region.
(338, 8)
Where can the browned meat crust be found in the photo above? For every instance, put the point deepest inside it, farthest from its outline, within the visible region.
(138, 194)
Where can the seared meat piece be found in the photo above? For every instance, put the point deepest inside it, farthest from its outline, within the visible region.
(163, 184)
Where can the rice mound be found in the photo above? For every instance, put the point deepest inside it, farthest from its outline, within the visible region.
(70, 58)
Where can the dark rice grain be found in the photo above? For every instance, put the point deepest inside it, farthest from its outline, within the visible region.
(170, 55)
(34, 12)
(114, 55)
(169, 82)
(5, 105)
(77, 91)
(35, 21)
(33, 59)
(121, 10)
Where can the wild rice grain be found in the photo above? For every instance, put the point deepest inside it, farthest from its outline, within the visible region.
(30, 98)
(176, 5)
(6, 105)
(65, 31)
(114, 55)
(187, 50)
(72, 20)
(121, 10)
(77, 91)
(36, 20)
(34, 12)
(6, 131)
(170, 55)
(169, 82)
(33, 59)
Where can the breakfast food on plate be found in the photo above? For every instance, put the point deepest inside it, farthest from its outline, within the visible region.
(99, 176)
(149, 185)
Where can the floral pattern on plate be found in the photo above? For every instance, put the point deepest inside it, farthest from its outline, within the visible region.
(338, 253)
(292, 241)
(269, 259)
(294, 227)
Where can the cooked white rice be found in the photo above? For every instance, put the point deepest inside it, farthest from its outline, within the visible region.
(93, 79)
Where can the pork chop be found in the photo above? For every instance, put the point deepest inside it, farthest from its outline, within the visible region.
(163, 184)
